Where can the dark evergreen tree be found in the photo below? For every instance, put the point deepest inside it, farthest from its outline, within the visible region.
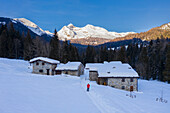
(54, 47)
(18, 44)
(90, 54)
(122, 54)
(103, 54)
(28, 46)
(4, 44)
(166, 72)
(11, 38)
(142, 64)
(65, 50)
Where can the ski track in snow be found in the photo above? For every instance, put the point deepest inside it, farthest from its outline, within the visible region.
(119, 103)
(97, 100)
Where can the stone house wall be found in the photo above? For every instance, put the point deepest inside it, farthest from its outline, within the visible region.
(118, 83)
(93, 75)
(80, 69)
(70, 72)
(78, 72)
(103, 81)
(42, 69)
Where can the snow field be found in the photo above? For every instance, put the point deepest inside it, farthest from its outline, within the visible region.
(24, 92)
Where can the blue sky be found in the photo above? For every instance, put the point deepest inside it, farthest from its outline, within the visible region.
(114, 15)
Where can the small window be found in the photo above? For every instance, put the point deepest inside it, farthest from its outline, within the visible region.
(43, 63)
(123, 87)
(40, 70)
(114, 67)
(131, 80)
(108, 72)
(123, 79)
(37, 63)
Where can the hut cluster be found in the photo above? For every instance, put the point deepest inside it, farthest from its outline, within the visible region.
(115, 74)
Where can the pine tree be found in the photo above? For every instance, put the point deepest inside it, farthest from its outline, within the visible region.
(103, 54)
(129, 54)
(54, 47)
(18, 45)
(166, 71)
(90, 54)
(11, 38)
(110, 54)
(76, 54)
(2, 28)
(4, 44)
(142, 64)
(122, 54)
(28, 46)
(65, 56)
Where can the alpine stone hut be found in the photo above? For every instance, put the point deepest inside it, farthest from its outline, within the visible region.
(43, 65)
(114, 74)
(71, 68)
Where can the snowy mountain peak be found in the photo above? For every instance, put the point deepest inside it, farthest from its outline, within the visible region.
(89, 26)
(32, 26)
(71, 32)
(166, 26)
(70, 25)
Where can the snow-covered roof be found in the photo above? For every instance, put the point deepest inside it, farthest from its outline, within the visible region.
(112, 69)
(49, 60)
(69, 66)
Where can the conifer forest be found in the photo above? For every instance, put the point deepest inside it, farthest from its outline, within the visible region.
(151, 61)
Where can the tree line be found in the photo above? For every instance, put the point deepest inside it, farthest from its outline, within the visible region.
(22, 46)
(151, 61)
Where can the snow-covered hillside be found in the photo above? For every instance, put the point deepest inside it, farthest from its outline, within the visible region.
(71, 32)
(24, 92)
(166, 26)
(32, 26)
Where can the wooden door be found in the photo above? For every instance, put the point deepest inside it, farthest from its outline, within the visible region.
(48, 71)
(52, 72)
(131, 88)
(58, 72)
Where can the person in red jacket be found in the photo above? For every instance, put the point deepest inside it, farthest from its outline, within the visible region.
(88, 86)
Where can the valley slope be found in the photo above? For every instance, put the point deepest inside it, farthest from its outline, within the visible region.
(152, 34)
(24, 92)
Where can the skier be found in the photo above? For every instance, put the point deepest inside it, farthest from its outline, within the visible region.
(88, 86)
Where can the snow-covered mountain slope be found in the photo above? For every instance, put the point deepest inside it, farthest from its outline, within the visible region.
(165, 26)
(71, 32)
(24, 92)
(49, 33)
(32, 26)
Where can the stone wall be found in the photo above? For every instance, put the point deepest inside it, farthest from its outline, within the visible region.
(80, 69)
(78, 72)
(93, 75)
(42, 69)
(103, 81)
(117, 83)
(70, 72)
